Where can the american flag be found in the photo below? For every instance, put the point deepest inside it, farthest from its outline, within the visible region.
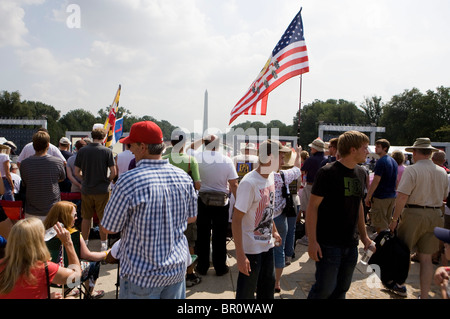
(288, 59)
(110, 122)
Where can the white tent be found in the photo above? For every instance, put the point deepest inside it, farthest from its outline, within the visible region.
(372, 153)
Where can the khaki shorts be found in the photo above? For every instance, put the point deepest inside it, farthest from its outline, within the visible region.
(305, 196)
(416, 229)
(191, 234)
(91, 204)
(381, 212)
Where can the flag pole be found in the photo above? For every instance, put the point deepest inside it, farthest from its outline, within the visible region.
(299, 104)
(299, 108)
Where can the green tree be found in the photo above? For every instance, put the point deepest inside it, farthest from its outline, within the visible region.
(330, 111)
(413, 114)
(11, 106)
(41, 110)
(373, 108)
(248, 124)
(77, 120)
(283, 129)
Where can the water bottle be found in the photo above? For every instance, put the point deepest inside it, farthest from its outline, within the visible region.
(273, 241)
(51, 232)
(367, 254)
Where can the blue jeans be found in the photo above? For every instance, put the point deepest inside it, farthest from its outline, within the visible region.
(334, 272)
(129, 290)
(8, 195)
(290, 235)
(278, 251)
(261, 279)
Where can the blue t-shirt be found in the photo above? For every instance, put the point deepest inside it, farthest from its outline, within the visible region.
(386, 167)
(312, 165)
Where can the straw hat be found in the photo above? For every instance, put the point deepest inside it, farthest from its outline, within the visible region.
(423, 143)
(5, 149)
(318, 144)
(289, 159)
(10, 144)
(251, 147)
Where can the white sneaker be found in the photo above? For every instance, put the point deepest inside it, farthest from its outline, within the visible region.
(303, 241)
(104, 247)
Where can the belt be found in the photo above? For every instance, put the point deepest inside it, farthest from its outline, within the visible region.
(423, 207)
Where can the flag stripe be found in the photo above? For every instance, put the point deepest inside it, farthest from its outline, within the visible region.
(283, 78)
(295, 64)
(283, 56)
(288, 59)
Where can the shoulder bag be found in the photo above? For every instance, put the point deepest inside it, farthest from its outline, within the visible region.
(289, 210)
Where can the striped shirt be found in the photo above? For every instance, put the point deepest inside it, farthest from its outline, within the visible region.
(150, 205)
(41, 174)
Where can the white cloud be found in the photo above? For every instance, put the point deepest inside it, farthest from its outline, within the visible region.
(12, 26)
(166, 53)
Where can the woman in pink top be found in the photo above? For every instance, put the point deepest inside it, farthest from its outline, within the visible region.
(399, 157)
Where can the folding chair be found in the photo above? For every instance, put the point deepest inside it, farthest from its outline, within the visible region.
(13, 209)
(59, 256)
(71, 196)
(111, 260)
(229, 238)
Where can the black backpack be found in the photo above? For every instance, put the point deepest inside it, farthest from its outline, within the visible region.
(392, 257)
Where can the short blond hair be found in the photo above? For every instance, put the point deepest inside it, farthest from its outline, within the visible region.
(351, 139)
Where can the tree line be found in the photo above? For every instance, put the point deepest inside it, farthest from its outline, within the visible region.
(407, 116)
(11, 106)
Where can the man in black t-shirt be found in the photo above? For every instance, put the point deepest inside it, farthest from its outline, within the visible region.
(91, 167)
(335, 216)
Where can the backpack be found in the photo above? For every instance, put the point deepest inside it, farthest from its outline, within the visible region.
(392, 256)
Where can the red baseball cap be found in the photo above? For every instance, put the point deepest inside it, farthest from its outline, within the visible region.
(145, 132)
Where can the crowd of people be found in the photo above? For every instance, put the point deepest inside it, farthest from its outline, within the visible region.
(174, 212)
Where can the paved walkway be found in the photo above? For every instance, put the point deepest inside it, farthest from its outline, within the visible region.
(295, 283)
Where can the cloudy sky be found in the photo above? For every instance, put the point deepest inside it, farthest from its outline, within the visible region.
(166, 53)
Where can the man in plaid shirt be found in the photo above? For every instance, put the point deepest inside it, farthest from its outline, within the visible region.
(151, 206)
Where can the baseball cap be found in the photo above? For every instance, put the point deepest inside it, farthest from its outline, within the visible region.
(64, 141)
(178, 134)
(442, 234)
(146, 132)
(97, 125)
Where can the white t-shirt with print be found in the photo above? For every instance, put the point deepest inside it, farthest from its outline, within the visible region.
(256, 198)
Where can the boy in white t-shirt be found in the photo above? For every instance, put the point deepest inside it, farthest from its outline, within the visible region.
(254, 231)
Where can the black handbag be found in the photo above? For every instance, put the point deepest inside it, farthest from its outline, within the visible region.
(289, 210)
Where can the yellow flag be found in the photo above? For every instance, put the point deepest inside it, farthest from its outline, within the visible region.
(111, 120)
